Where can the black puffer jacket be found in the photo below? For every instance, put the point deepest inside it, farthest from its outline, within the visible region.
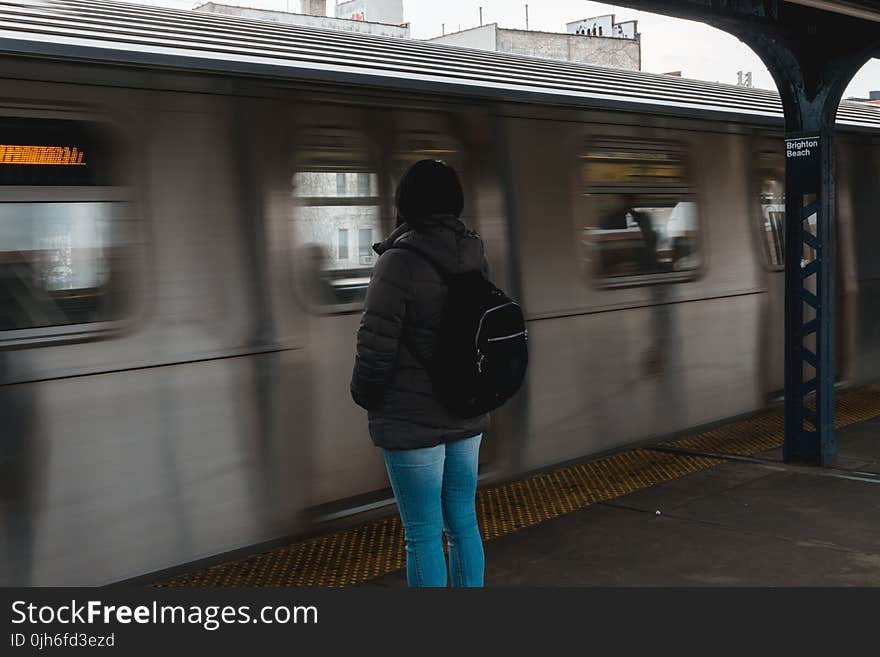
(403, 308)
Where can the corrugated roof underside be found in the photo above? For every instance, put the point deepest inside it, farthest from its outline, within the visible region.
(225, 43)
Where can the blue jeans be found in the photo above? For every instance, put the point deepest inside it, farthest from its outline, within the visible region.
(435, 489)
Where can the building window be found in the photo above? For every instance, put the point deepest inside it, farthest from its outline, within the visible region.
(365, 246)
(342, 244)
(340, 184)
(65, 238)
(641, 219)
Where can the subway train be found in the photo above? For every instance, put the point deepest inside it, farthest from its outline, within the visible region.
(187, 207)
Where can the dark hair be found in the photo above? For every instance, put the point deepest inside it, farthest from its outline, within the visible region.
(428, 190)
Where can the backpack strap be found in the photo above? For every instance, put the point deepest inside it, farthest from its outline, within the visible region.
(408, 247)
(443, 276)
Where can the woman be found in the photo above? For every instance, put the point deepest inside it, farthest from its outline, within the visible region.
(430, 454)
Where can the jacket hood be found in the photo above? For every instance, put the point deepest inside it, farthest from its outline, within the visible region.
(447, 241)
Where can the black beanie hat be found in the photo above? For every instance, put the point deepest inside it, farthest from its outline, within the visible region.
(429, 189)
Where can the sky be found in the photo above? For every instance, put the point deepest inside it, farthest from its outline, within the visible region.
(668, 44)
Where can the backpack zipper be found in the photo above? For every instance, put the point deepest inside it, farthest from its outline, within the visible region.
(480, 325)
(507, 337)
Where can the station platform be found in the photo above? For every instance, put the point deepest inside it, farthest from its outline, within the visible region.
(715, 508)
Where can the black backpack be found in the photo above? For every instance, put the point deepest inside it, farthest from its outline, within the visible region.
(481, 356)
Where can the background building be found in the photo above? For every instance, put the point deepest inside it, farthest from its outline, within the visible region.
(389, 12)
(619, 46)
(872, 99)
(315, 15)
(605, 26)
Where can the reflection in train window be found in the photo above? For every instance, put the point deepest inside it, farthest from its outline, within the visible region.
(363, 184)
(365, 246)
(342, 245)
(771, 168)
(337, 195)
(641, 216)
(638, 235)
(56, 263)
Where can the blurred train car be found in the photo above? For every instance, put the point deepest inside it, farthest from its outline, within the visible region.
(187, 207)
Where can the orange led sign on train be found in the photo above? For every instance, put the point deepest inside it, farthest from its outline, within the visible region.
(20, 155)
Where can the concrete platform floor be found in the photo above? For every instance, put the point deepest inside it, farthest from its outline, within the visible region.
(749, 522)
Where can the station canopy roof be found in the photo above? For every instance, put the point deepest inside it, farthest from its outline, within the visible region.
(866, 9)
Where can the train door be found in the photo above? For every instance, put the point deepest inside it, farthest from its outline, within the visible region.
(860, 169)
(334, 211)
(460, 138)
(346, 161)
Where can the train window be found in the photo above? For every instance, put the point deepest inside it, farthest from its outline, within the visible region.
(336, 189)
(643, 234)
(642, 216)
(63, 227)
(771, 170)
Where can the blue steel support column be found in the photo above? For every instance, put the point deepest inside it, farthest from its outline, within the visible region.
(812, 55)
(810, 295)
(812, 68)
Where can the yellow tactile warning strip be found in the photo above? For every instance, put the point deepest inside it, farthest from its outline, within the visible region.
(355, 555)
(765, 431)
(515, 505)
